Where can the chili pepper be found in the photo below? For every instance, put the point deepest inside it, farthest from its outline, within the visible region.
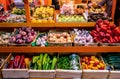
(23, 66)
(16, 61)
(21, 61)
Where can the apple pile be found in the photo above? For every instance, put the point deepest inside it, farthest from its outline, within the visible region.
(92, 63)
(105, 32)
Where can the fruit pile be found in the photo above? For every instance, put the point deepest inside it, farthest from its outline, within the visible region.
(112, 59)
(71, 18)
(43, 62)
(23, 35)
(92, 63)
(82, 37)
(43, 14)
(19, 62)
(106, 33)
(63, 37)
(4, 38)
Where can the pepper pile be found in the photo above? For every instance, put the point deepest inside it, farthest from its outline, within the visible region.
(19, 62)
(43, 62)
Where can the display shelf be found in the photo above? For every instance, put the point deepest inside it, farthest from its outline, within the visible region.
(12, 24)
(75, 24)
(62, 24)
(82, 49)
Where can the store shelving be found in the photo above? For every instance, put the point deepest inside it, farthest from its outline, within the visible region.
(60, 49)
(83, 49)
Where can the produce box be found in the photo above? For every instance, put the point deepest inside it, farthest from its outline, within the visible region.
(23, 36)
(93, 67)
(114, 75)
(113, 61)
(16, 64)
(43, 66)
(110, 44)
(43, 14)
(3, 59)
(4, 38)
(58, 37)
(68, 66)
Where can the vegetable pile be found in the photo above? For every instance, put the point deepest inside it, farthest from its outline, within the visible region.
(59, 37)
(94, 17)
(106, 33)
(71, 18)
(23, 35)
(16, 18)
(44, 62)
(82, 37)
(42, 40)
(18, 62)
(70, 62)
(4, 38)
(64, 62)
(112, 59)
(92, 63)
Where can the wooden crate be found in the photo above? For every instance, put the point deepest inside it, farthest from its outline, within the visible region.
(3, 63)
(95, 74)
(114, 75)
(42, 73)
(68, 73)
(14, 73)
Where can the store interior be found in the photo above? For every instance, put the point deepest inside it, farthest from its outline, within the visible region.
(59, 39)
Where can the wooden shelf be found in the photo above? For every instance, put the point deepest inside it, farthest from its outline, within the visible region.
(12, 24)
(84, 49)
(62, 24)
(75, 24)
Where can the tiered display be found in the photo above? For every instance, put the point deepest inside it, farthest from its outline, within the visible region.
(60, 65)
